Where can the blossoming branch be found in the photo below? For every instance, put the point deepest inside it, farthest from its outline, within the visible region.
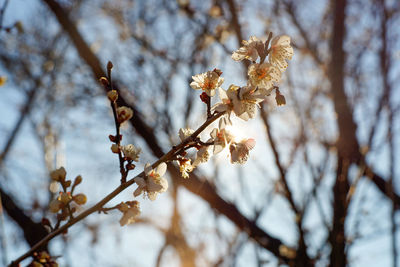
(268, 62)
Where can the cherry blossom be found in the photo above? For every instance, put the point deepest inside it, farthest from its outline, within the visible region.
(280, 52)
(185, 167)
(185, 133)
(153, 183)
(263, 75)
(249, 50)
(240, 151)
(221, 138)
(131, 152)
(202, 156)
(124, 114)
(130, 210)
(208, 81)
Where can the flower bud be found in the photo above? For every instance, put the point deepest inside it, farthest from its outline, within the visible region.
(112, 138)
(64, 197)
(80, 199)
(123, 207)
(112, 95)
(115, 148)
(131, 152)
(54, 185)
(43, 255)
(280, 99)
(204, 97)
(55, 205)
(124, 114)
(131, 166)
(109, 65)
(78, 180)
(58, 175)
(67, 183)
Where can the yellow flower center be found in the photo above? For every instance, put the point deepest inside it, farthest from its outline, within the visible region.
(208, 85)
(261, 73)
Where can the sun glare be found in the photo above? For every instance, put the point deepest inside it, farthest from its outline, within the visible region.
(238, 131)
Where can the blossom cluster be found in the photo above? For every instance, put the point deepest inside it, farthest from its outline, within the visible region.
(268, 60)
(241, 101)
(66, 203)
(42, 259)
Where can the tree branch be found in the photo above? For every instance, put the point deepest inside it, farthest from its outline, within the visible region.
(194, 184)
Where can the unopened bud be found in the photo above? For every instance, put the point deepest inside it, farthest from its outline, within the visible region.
(130, 166)
(43, 255)
(204, 97)
(64, 197)
(124, 114)
(123, 207)
(115, 148)
(80, 199)
(112, 138)
(67, 183)
(112, 95)
(55, 205)
(78, 180)
(58, 175)
(109, 65)
(280, 99)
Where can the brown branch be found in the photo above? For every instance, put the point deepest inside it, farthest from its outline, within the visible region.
(33, 232)
(302, 258)
(337, 239)
(237, 27)
(303, 33)
(346, 144)
(24, 112)
(388, 90)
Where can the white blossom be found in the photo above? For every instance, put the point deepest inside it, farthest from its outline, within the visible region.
(202, 156)
(185, 167)
(221, 138)
(263, 75)
(245, 101)
(153, 183)
(225, 105)
(208, 82)
(55, 205)
(124, 114)
(130, 212)
(249, 50)
(280, 52)
(185, 133)
(131, 152)
(240, 151)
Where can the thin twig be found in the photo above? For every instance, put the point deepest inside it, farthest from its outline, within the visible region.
(114, 193)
